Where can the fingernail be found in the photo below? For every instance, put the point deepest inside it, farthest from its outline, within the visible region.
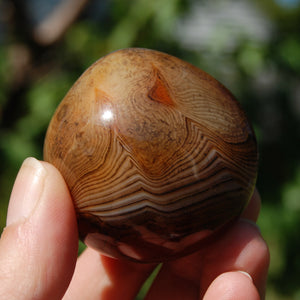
(251, 223)
(247, 274)
(26, 192)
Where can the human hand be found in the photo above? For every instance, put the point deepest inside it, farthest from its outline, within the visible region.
(38, 254)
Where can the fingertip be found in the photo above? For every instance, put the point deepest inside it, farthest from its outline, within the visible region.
(58, 232)
(27, 191)
(41, 238)
(254, 257)
(232, 285)
(243, 248)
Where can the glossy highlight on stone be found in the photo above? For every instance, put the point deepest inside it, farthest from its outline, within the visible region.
(158, 155)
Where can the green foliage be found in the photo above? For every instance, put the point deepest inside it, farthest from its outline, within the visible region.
(146, 286)
(289, 50)
(4, 71)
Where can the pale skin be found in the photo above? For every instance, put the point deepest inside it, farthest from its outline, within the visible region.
(38, 254)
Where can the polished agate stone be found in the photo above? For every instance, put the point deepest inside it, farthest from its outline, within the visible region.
(158, 156)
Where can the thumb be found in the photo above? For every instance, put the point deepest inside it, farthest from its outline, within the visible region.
(38, 248)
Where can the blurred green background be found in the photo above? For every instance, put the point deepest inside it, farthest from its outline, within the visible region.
(252, 47)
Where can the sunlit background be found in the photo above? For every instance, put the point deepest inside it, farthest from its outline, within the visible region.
(253, 47)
